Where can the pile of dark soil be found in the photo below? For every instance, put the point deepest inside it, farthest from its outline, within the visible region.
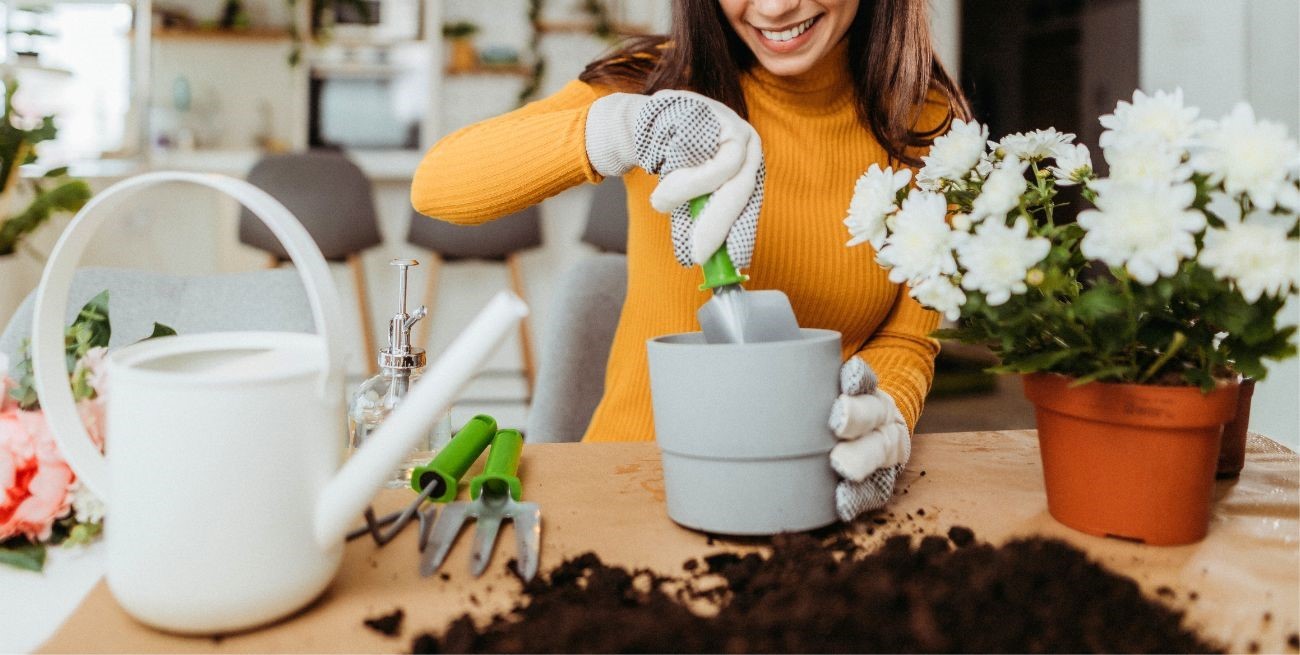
(826, 595)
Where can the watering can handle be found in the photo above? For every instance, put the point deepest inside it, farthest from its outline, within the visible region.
(52, 298)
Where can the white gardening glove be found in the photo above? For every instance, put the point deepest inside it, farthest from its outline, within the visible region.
(875, 442)
(697, 146)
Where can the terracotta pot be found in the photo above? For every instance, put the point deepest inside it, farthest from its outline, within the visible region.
(1232, 454)
(1130, 461)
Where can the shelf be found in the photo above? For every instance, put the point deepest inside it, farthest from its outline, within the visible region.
(587, 27)
(253, 35)
(321, 70)
(489, 69)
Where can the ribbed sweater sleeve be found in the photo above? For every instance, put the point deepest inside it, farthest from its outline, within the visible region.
(902, 354)
(504, 164)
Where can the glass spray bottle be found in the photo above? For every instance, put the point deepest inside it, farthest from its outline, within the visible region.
(400, 366)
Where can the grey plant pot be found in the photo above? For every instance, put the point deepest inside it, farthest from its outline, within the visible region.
(742, 431)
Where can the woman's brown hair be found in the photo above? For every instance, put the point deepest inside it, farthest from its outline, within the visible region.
(891, 58)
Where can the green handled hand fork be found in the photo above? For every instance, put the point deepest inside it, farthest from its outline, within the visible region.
(496, 496)
(495, 493)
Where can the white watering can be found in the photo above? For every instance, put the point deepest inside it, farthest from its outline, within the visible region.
(226, 505)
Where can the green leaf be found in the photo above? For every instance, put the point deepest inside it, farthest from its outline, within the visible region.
(83, 533)
(57, 172)
(92, 323)
(23, 554)
(1111, 372)
(1043, 361)
(160, 330)
(70, 196)
(1099, 302)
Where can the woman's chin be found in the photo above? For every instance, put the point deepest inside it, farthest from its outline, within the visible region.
(788, 65)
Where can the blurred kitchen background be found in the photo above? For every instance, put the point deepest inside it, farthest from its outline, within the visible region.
(215, 85)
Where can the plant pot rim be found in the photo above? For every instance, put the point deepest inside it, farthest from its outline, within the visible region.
(1152, 406)
(1220, 382)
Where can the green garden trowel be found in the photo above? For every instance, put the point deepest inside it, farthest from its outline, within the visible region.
(734, 315)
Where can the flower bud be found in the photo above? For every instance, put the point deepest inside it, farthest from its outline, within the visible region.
(1034, 277)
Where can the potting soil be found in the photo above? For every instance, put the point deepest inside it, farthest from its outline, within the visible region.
(826, 594)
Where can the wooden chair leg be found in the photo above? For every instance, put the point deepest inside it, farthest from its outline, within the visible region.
(363, 312)
(425, 327)
(272, 261)
(525, 341)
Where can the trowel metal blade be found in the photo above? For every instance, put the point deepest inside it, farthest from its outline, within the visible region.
(734, 315)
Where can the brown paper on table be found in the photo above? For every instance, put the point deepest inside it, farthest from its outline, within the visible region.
(609, 498)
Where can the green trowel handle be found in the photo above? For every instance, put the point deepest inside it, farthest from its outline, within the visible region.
(718, 270)
(502, 465)
(450, 464)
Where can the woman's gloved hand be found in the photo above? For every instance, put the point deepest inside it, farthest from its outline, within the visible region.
(874, 446)
(697, 146)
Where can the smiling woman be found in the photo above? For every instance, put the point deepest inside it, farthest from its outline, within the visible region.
(772, 108)
(789, 37)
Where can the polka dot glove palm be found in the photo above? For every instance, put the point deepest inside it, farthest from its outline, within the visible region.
(696, 146)
(874, 446)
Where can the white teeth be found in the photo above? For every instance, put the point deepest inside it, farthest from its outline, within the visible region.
(790, 33)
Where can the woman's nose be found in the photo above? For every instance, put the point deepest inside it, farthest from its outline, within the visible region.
(775, 8)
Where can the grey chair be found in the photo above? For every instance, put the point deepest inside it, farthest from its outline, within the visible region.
(580, 329)
(333, 199)
(501, 240)
(259, 300)
(607, 219)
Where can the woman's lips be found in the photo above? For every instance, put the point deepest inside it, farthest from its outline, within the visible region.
(787, 40)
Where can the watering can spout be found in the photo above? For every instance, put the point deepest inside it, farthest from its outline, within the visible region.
(345, 497)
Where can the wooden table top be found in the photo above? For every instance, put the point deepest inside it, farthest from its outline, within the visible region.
(608, 498)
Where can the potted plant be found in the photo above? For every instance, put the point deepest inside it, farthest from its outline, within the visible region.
(1130, 326)
(51, 193)
(459, 34)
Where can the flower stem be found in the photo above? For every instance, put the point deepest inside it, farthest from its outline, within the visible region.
(1174, 347)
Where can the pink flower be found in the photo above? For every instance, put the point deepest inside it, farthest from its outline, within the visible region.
(33, 475)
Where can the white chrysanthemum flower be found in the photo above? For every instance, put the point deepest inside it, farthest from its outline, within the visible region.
(873, 198)
(1147, 228)
(961, 222)
(1033, 146)
(1255, 255)
(1161, 115)
(87, 507)
(940, 294)
(1247, 156)
(985, 167)
(1288, 197)
(997, 258)
(920, 243)
(1001, 192)
(954, 154)
(1073, 164)
(1224, 206)
(1146, 158)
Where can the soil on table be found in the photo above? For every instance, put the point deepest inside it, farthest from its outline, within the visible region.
(826, 594)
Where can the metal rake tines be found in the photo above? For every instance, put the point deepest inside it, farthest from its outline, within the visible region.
(488, 516)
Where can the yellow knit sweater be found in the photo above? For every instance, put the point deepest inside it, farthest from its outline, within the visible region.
(815, 149)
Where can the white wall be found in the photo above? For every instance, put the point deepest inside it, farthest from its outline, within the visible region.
(1221, 52)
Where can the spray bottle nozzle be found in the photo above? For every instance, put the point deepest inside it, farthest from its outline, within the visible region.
(400, 354)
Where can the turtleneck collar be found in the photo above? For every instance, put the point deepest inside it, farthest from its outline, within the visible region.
(822, 85)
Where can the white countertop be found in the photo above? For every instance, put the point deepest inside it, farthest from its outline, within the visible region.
(379, 165)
